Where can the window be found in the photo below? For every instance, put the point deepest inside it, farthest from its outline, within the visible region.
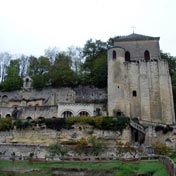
(127, 56)
(134, 93)
(146, 55)
(84, 113)
(67, 114)
(114, 54)
(29, 118)
(8, 115)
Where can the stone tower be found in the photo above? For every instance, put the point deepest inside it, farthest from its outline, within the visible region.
(139, 83)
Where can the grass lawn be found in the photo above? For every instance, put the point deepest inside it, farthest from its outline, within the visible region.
(121, 169)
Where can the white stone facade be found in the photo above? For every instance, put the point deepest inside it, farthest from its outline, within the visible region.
(78, 109)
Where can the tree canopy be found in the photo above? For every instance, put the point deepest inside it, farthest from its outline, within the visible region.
(73, 67)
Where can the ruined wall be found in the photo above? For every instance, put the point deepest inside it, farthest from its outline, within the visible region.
(34, 103)
(25, 142)
(54, 96)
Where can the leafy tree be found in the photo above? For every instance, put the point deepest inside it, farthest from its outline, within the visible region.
(59, 150)
(61, 73)
(95, 65)
(81, 147)
(40, 80)
(96, 146)
(172, 67)
(12, 80)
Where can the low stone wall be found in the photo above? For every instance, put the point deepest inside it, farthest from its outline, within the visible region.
(22, 150)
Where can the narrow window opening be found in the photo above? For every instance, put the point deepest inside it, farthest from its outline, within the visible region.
(147, 55)
(134, 93)
(127, 56)
(114, 54)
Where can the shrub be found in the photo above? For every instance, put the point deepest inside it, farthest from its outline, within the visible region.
(80, 119)
(162, 149)
(55, 123)
(5, 124)
(165, 130)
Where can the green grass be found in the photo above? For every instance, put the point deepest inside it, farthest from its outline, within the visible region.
(121, 169)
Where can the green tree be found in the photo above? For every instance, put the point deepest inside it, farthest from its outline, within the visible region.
(12, 80)
(95, 66)
(59, 150)
(172, 69)
(39, 71)
(61, 73)
(81, 147)
(97, 146)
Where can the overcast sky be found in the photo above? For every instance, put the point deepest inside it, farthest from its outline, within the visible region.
(30, 26)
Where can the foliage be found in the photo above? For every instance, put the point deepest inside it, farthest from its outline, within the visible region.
(61, 73)
(5, 124)
(96, 146)
(162, 149)
(59, 150)
(12, 81)
(103, 123)
(95, 65)
(19, 124)
(81, 146)
(164, 129)
(55, 123)
(40, 80)
(80, 119)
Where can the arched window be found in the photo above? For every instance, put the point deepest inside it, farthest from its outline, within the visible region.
(8, 115)
(84, 113)
(114, 54)
(146, 55)
(127, 56)
(67, 114)
(29, 118)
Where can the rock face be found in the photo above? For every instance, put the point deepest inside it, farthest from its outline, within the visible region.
(44, 103)
(139, 83)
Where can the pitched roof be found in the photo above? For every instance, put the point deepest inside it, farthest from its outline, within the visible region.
(134, 37)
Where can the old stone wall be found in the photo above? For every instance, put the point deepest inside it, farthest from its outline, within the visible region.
(54, 96)
(36, 141)
(43, 103)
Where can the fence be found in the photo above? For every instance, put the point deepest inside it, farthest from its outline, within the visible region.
(169, 164)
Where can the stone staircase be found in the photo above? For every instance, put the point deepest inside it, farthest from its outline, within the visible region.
(137, 126)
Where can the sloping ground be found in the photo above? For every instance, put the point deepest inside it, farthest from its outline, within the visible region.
(93, 168)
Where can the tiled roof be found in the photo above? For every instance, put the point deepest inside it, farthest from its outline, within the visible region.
(133, 37)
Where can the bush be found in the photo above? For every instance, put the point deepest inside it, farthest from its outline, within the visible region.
(80, 119)
(5, 124)
(165, 130)
(162, 149)
(55, 123)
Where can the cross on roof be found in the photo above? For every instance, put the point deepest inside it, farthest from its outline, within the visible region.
(133, 27)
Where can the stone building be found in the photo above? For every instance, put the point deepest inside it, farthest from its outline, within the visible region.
(139, 84)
